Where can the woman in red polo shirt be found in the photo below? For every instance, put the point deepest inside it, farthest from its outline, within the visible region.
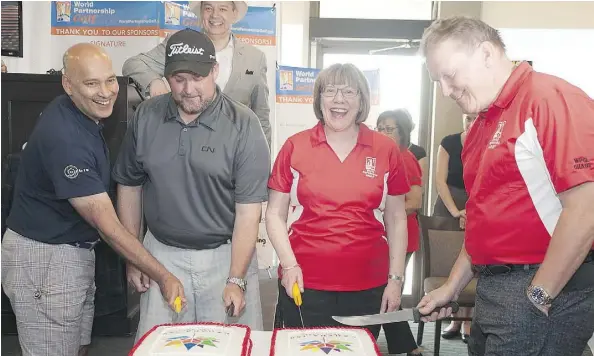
(336, 215)
(395, 124)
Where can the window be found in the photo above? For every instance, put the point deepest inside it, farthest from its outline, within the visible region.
(379, 9)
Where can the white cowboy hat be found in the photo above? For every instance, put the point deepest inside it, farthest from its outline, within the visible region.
(240, 6)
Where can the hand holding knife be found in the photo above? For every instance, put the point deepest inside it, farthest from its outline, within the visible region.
(393, 317)
(177, 305)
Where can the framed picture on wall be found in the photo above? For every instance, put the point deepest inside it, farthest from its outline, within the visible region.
(12, 28)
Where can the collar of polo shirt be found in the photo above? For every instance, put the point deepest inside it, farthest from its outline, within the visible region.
(208, 117)
(512, 85)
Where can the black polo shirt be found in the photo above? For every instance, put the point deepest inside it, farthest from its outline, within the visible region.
(65, 157)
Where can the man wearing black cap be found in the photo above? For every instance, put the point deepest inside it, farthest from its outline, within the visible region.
(200, 162)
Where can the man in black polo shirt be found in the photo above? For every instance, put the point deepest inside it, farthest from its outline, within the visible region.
(201, 162)
(60, 209)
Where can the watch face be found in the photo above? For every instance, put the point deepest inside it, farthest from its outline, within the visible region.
(539, 296)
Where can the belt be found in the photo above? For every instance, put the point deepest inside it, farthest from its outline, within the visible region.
(84, 245)
(212, 245)
(492, 270)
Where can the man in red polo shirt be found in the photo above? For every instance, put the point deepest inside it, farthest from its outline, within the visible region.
(529, 172)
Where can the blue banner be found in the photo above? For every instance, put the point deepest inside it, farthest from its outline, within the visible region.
(151, 18)
(295, 85)
(258, 27)
(105, 18)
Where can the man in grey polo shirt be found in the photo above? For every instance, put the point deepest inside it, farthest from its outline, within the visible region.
(200, 162)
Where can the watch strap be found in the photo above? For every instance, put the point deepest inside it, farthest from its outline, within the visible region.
(241, 283)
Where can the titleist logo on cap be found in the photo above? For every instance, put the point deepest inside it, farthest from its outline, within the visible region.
(182, 48)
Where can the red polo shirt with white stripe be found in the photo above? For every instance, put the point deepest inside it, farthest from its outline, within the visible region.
(415, 177)
(336, 208)
(534, 142)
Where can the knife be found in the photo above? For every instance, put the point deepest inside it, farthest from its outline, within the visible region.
(392, 317)
(177, 305)
(298, 300)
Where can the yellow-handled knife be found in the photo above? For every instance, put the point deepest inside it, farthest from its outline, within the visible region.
(298, 301)
(177, 306)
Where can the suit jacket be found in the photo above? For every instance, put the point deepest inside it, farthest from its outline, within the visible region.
(247, 84)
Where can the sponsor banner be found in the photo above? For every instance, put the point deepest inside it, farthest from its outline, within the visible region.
(295, 85)
(257, 28)
(104, 18)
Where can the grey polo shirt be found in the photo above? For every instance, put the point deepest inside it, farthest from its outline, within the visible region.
(192, 175)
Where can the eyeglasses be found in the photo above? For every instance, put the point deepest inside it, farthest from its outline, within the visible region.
(330, 92)
(387, 129)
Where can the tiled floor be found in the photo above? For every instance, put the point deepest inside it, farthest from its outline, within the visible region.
(119, 346)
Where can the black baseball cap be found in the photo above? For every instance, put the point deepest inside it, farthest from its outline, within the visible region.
(189, 51)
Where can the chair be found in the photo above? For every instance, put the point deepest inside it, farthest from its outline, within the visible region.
(441, 242)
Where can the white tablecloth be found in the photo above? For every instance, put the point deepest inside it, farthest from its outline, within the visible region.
(261, 341)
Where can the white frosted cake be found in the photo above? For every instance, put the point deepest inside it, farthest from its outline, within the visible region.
(207, 339)
(339, 341)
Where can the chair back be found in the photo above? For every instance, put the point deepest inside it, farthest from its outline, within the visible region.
(442, 240)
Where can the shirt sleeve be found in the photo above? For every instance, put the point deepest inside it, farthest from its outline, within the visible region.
(397, 181)
(252, 165)
(418, 151)
(127, 170)
(564, 127)
(446, 143)
(73, 170)
(413, 169)
(281, 178)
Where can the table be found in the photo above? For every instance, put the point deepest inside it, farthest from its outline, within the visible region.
(261, 342)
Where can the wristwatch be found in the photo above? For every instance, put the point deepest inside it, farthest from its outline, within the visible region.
(393, 277)
(242, 283)
(539, 295)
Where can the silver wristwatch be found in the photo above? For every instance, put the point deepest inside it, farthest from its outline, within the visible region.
(242, 283)
(539, 296)
(393, 277)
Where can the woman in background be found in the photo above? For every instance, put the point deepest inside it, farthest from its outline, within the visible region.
(395, 124)
(404, 121)
(336, 210)
(451, 201)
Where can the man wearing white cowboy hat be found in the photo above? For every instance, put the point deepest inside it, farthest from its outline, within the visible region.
(242, 67)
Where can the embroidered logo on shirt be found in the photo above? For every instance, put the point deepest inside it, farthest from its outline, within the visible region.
(582, 163)
(72, 172)
(496, 140)
(370, 167)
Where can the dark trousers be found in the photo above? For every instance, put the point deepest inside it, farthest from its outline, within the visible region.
(507, 323)
(319, 306)
(398, 335)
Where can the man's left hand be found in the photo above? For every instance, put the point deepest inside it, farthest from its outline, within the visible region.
(542, 308)
(391, 297)
(234, 294)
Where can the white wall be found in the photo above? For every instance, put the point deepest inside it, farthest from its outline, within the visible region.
(563, 53)
(539, 14)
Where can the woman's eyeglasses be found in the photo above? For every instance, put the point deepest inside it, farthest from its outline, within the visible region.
(347, 92)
